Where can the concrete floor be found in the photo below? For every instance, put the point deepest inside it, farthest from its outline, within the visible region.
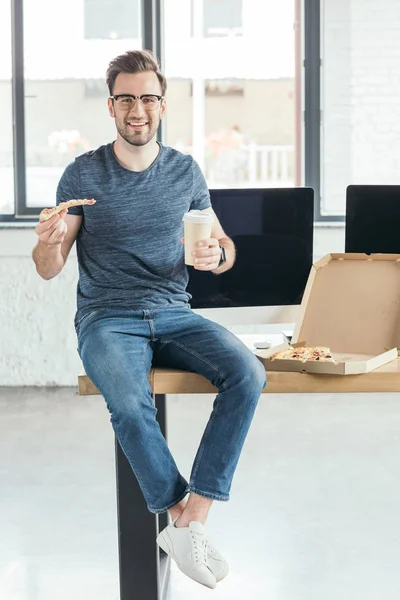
(313, 516)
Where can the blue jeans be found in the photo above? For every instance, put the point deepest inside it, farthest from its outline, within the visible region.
(118, 348)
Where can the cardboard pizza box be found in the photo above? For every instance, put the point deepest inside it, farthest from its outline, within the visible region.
(352, 305)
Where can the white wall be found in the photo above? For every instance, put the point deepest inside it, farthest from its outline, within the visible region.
(361, 96)
(37, 336)
(376, 90)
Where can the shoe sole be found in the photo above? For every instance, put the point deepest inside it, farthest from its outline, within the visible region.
(162, 541)
(223, 575)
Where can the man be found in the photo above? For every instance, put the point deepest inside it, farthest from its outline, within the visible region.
(133, 308)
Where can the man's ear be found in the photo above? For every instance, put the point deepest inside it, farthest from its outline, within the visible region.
(163, 109)
(111, 108)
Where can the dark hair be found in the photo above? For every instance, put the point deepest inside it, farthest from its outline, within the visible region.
(134, 61)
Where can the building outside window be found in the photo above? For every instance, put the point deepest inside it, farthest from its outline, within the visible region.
(233, 100)
(221, 17)
(112, 19)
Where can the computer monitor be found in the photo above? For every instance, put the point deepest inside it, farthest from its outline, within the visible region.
(373, 219)
(273, 233)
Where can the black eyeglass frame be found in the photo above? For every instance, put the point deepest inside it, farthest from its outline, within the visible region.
(159, 98)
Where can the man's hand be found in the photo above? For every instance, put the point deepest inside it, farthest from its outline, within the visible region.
(52, 232)
(207, 255)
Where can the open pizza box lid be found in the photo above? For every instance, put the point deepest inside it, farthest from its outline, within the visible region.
(352, 305)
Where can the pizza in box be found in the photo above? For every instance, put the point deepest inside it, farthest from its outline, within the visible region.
(305, 354)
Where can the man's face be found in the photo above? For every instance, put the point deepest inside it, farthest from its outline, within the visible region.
(135, 124)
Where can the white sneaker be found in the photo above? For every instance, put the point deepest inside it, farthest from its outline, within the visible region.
(216, 563)
(188, 547)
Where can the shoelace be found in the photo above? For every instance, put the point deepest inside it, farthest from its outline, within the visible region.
(200, 546)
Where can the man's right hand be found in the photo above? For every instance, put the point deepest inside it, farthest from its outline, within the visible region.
(52, 232)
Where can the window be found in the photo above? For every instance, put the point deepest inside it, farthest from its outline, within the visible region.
(61, 96)
(361, 98)
(222, 87)
(222, 17)
(112, 19)
(238, 117)
(6, 139)
(65, 91)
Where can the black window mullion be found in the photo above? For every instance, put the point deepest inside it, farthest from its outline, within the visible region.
(18, 107)
(312, 101)
(152, 27)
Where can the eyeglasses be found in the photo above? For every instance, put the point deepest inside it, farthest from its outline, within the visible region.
(126, 101)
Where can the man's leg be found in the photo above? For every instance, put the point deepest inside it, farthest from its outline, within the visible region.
(187, 341)
(195, 508)
(116, 353)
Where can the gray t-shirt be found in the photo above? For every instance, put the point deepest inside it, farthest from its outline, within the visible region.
(129, 246)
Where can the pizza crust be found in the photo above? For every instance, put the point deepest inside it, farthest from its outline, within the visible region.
(47, 213)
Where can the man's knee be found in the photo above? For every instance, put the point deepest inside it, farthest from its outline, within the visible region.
(249, 372)
(256, 372)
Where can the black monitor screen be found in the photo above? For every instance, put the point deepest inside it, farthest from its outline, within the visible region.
(373, 219)
(273, 233)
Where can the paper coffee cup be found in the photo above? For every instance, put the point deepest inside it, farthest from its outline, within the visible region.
(197, 227)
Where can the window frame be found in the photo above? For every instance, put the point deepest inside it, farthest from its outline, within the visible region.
(152, 38)
(313, 113)
(22, 213)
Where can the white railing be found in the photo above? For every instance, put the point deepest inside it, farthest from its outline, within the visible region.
(274, 164)
(252, 165)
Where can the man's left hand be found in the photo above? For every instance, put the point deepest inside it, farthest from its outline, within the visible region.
(207, 255)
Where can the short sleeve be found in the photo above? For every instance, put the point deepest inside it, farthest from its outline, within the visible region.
(69, 188)
(200, 193)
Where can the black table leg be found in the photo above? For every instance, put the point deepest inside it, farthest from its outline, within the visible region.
(164, 561)
(162, 419)
(143, 568)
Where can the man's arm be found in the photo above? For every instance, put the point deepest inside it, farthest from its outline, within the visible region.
(209, 254)
(56, 238)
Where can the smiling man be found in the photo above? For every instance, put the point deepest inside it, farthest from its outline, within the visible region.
(133, 308)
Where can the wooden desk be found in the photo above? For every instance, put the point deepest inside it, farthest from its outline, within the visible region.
(173, 381)
(143, 567)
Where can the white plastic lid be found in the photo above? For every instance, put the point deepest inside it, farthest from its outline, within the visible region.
(197, 216)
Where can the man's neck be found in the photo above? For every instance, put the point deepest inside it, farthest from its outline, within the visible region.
(136, 158)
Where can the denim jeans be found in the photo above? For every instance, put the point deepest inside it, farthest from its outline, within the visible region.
(118, 348)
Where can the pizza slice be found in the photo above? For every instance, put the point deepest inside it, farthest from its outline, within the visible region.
(49, 212)
(304, 354)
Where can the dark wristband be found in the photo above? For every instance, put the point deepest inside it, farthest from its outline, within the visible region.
(222, 260)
